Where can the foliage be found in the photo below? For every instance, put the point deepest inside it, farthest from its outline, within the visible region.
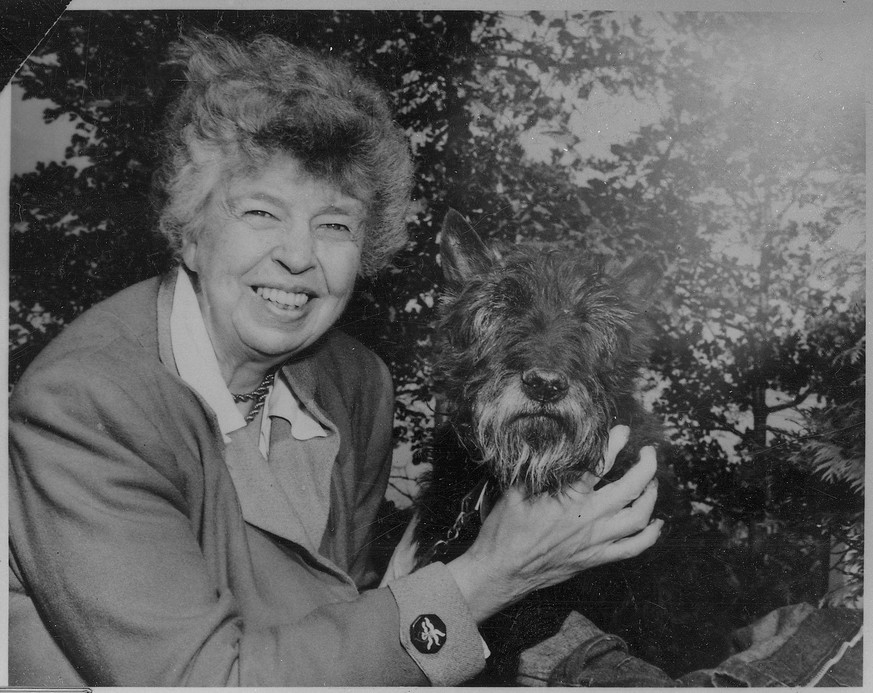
(833, 450)
(749, 189)
(736, 182)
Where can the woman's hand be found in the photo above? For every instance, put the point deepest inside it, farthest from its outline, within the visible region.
(526, 544)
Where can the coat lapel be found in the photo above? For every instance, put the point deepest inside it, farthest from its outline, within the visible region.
(264, 503)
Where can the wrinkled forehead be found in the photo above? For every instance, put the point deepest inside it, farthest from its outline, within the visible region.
(340, 182)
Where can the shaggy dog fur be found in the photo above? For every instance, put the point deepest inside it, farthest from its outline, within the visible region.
(539, 355)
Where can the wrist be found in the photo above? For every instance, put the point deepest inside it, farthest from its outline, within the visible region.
(484, 593)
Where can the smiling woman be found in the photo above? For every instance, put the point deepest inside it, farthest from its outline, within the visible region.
(275, 269)
(196, 463)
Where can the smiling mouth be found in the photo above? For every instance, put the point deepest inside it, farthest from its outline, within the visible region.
(283, 299)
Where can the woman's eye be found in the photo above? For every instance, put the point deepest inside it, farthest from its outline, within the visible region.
(258, 213)
(335, 231)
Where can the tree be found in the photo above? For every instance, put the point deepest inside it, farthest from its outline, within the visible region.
(750, 175)
(832, 451)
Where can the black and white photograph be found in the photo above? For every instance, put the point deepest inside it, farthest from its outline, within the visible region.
(424, 344)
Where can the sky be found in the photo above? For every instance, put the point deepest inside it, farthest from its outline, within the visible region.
(32, 139)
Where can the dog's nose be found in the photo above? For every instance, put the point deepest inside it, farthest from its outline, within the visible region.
(544, 385)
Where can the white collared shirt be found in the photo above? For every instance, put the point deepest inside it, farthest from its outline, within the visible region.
(198, 367)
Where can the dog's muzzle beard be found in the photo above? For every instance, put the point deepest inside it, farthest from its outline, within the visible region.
(542, 447)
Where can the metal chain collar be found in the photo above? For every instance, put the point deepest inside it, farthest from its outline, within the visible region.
(471, 504)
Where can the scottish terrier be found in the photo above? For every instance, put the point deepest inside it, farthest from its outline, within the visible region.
(539, 354)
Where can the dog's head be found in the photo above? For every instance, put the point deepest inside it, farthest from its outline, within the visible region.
(538, 349)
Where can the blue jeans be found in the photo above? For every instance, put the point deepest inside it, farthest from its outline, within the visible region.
(796, 645)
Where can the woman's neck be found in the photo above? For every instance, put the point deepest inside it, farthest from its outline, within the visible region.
(246, 377)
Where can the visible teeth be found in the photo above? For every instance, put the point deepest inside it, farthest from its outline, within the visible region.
(283, 298)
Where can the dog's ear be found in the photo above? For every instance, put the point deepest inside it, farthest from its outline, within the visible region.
(641, 279)
(462, 253)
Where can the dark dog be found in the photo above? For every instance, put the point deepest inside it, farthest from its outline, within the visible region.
(539, 354)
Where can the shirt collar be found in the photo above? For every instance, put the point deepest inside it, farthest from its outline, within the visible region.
(284, 404)
(198, 367)
(195, 357)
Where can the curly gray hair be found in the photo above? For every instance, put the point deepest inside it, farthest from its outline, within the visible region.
(243, 103)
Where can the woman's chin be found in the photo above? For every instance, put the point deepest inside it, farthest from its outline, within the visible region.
(288, 336)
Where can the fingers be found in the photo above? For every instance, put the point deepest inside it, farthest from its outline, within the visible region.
(624, 490)
(634, 545)
(584, 484)
(618, 437)
(529, 542)
(635, 517)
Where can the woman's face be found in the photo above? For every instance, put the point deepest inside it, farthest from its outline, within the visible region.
(276, 263)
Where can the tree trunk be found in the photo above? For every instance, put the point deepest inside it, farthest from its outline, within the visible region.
(758, 435)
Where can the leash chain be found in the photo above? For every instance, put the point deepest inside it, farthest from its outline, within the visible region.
(471, 504)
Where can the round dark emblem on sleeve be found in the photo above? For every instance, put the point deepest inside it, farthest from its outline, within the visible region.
(428, 633)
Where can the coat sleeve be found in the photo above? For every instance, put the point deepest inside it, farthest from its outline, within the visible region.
(100, 528)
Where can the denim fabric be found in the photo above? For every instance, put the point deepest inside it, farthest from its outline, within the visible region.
(794, 646)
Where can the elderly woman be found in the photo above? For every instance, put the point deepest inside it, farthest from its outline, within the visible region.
(196, 463)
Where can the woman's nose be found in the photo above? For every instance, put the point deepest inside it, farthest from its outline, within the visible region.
(295, 250)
